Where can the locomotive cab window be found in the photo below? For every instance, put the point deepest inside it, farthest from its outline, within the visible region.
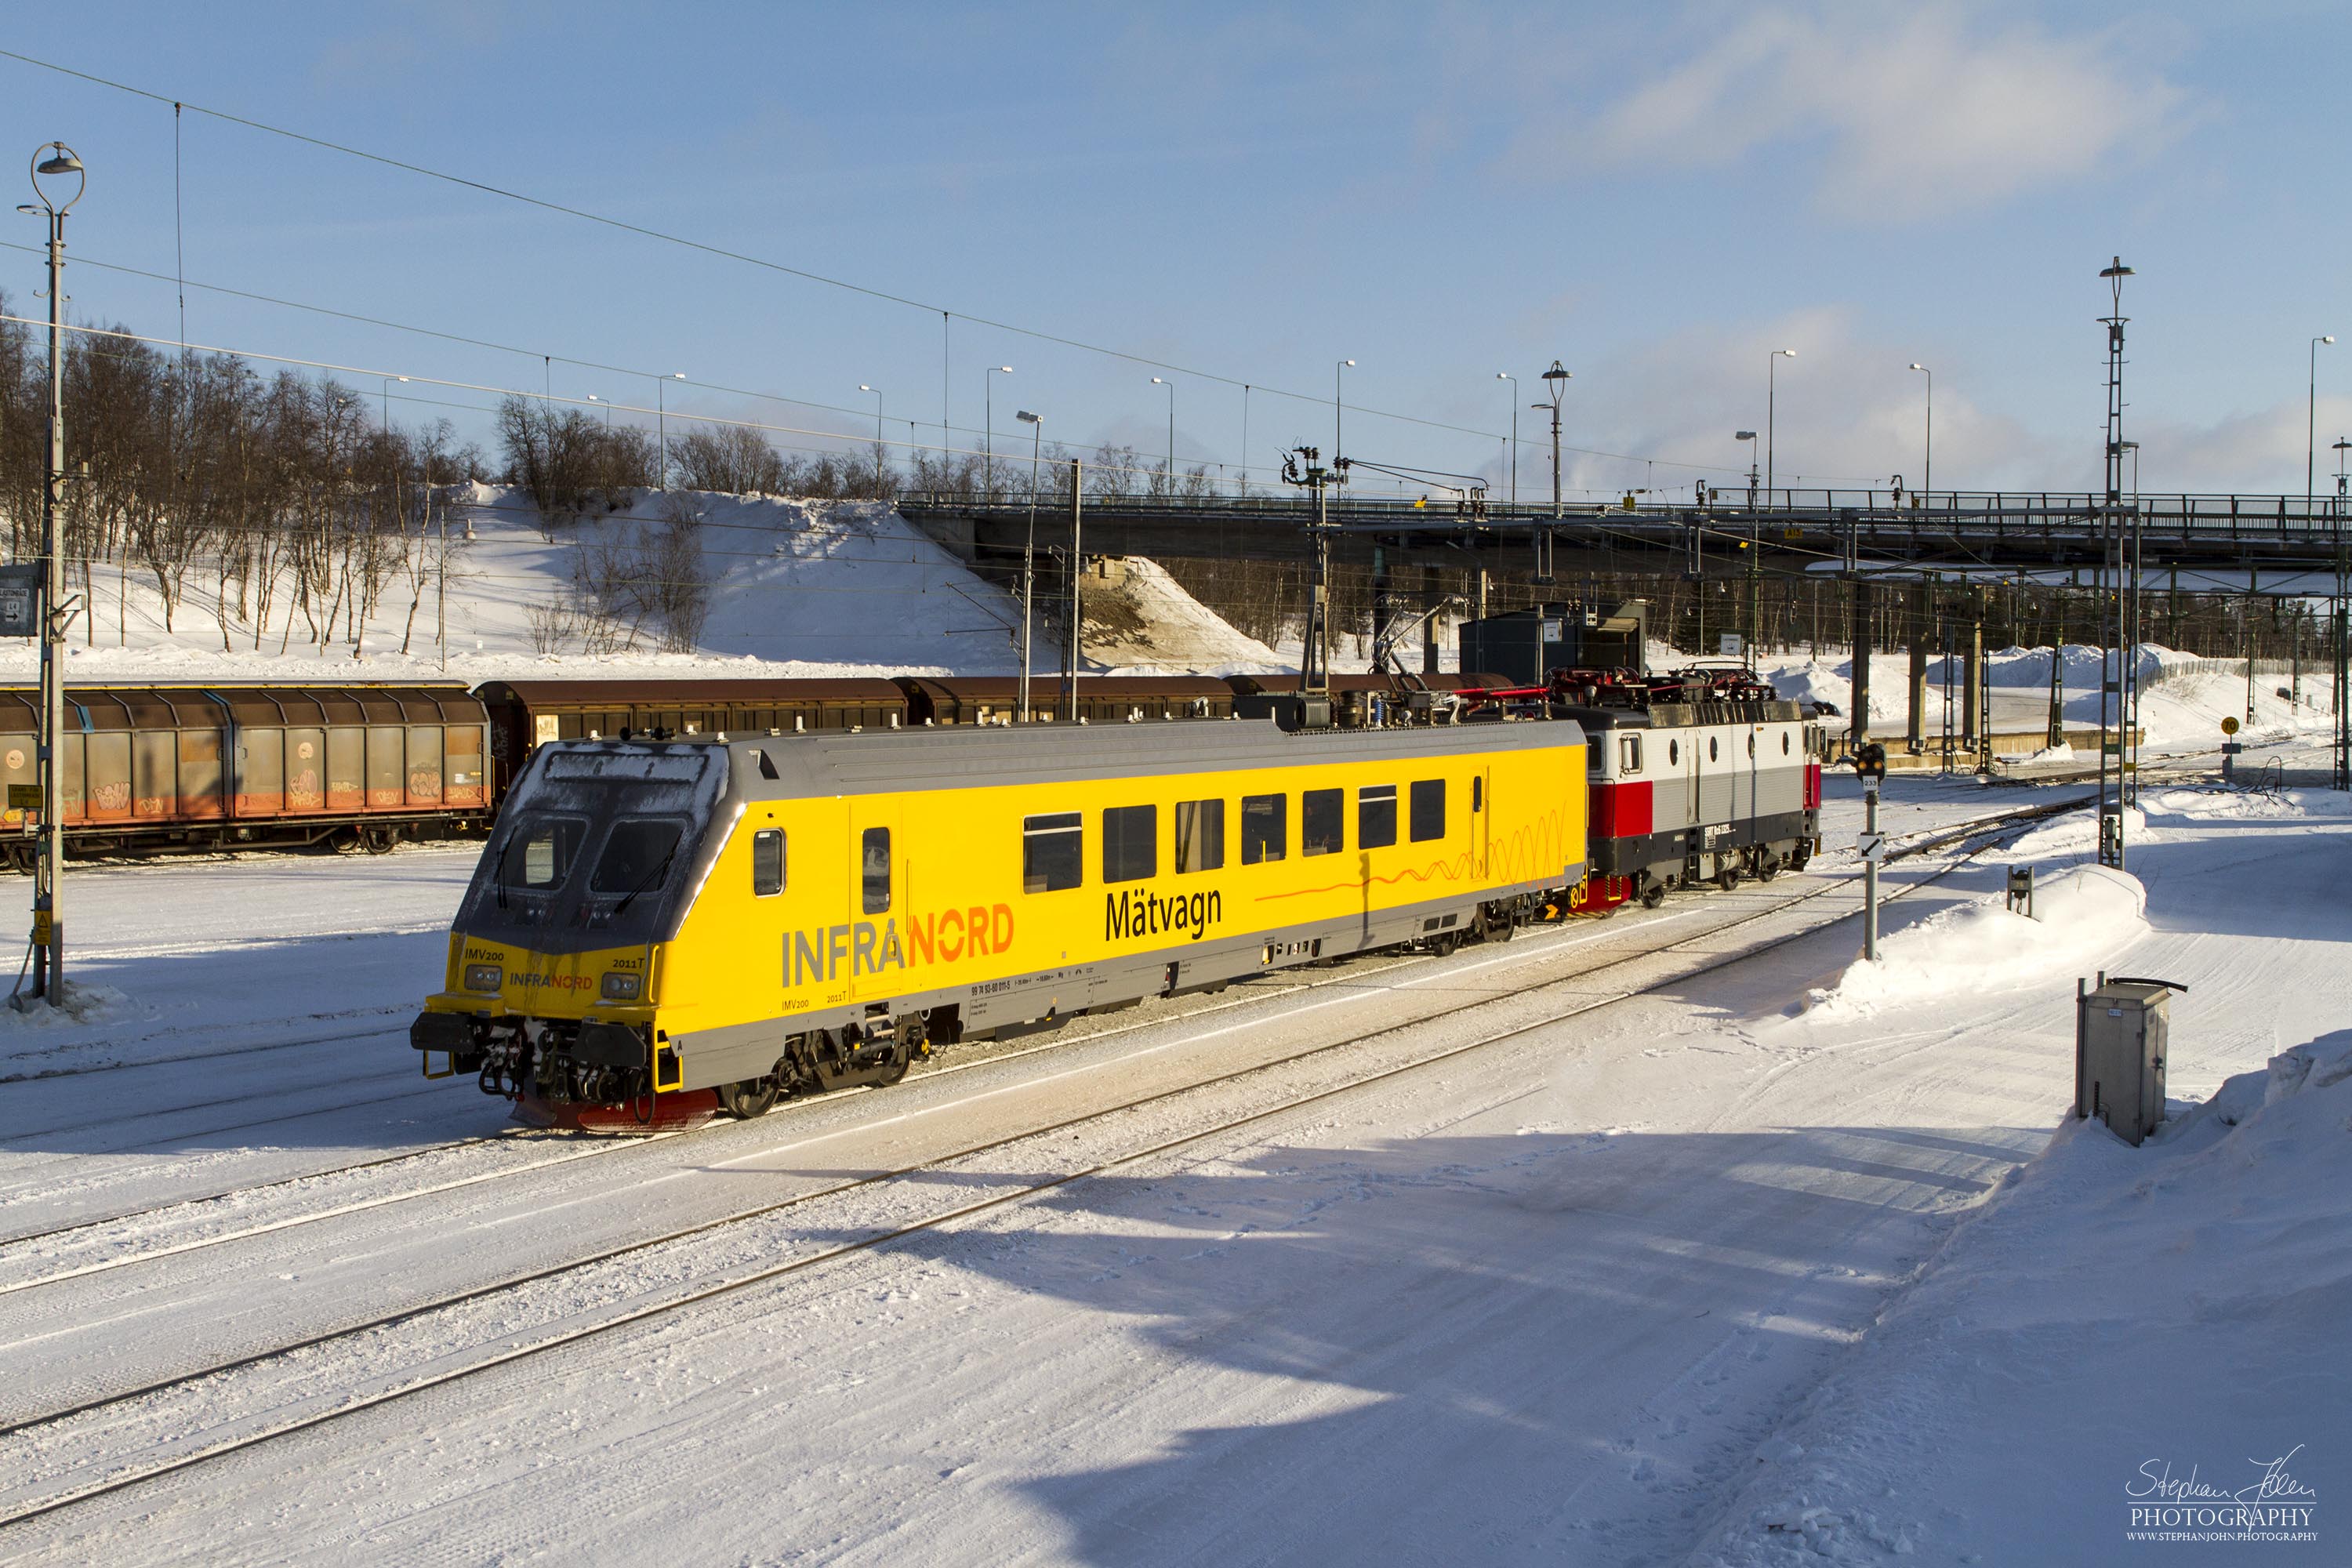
(1265, 820)
(1376, 816)
(1200, 835)
(1322, 821)
(1131, 848)
(874, 860)
(637, 856)
(1630, 754)
(1428, 807)
(537, 855)
(1052, 852)
(767, 863)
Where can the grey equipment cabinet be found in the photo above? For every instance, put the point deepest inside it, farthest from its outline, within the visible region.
(2122, 1028)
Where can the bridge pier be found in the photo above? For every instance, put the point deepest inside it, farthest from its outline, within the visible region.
(1975, 723)
(1915, 687)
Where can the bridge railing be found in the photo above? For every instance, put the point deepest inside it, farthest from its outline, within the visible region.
(1867, 510)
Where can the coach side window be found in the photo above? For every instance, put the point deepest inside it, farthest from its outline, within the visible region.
(1131, 850)
(1264, 827)
(1428, 809)
(1053, 852)
(876, 863)
(1200, 835)
(1322, 821)
(1376, 816)
(767, 863)
(1629, 750)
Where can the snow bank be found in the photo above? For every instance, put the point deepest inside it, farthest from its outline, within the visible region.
(2080, 916)
(2113, 1322)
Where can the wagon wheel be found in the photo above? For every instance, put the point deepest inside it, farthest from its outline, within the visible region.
(1768, 868)
(1727, 875)
(894, 1065)
(750, 1099)
(1653, 894)
(378, 840)
(1503, 924)
(1445, 945)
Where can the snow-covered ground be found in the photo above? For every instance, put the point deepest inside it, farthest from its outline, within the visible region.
(1705, 1273)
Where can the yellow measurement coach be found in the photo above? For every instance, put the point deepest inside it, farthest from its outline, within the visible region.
(661, 929)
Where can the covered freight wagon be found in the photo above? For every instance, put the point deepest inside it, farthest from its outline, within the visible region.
(155, 768)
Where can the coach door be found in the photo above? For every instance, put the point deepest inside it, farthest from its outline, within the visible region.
(1482, 807)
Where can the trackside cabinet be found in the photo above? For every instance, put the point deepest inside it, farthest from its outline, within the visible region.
(2121, 1033)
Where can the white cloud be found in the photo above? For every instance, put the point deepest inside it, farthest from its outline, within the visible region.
(1910, 111)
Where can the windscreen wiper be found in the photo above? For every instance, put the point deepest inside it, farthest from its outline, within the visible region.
(652, 878)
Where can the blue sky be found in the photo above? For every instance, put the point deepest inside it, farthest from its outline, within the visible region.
(1655, 195)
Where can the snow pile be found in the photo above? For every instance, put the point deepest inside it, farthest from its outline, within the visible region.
(2115, 1323)
(2080, 916)
(1140, 621)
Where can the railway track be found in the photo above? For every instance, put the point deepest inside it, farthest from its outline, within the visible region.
(290, 1416)
(1356, 974)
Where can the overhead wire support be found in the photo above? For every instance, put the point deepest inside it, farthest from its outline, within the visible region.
(1315, 653)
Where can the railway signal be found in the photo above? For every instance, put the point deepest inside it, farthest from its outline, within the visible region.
(1870, 766)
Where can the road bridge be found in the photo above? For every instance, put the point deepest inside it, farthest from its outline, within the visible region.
(1886, 532)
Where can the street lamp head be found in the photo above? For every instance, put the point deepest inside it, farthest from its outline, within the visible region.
(1028, 419)
(1743, 435)
(1160, 381)
(863, 387)
(1505, 376)
(2131, 446)
(1789, 353)
(1556, 372)
(2329, 339)
(28, 209)
(60, 160)
(2118, 269)
(1916, 365)
(1347, 362)
(677, 375)
(1004, 369)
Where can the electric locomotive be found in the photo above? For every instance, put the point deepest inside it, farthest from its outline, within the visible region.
(661, 929)
(1701, 776)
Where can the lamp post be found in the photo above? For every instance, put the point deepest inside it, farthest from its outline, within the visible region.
(988, 421)
(387, 399)
(1037, 424)
(877, 434)
(1748, 436)
(1928, 482)
(1337, 371)
(2311, 420)
(48, 909)
(605, 407)
(1163, 381)
(1506, 375)
(1771, 395)
(661, 415)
